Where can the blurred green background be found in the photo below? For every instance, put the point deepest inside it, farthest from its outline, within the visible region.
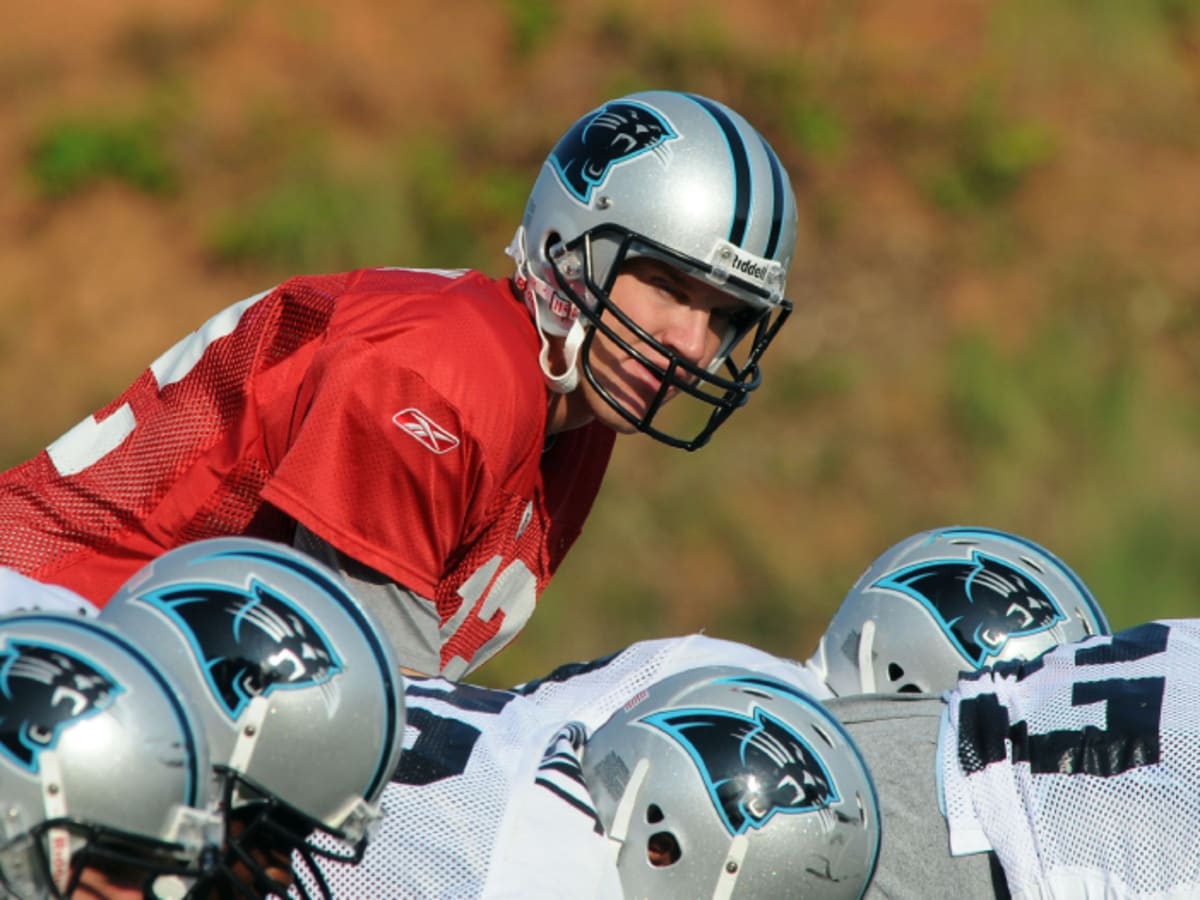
(998, 297)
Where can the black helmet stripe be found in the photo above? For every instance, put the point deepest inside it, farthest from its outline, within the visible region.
(776, 199)
(741, 169)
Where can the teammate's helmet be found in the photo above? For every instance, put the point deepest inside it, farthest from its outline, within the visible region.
(680, 178)
(299, 694)
(952, 600)
(724, 782)
(101, 762)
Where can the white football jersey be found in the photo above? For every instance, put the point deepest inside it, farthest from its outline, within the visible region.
(489, 799)
(1081, 769)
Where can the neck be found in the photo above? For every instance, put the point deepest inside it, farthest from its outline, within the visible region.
(565, 412)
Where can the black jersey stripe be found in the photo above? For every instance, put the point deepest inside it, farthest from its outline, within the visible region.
(580, 805)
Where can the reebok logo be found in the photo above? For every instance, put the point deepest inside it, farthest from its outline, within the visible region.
(416, 424)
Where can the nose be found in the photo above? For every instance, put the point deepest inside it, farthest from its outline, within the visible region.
(687, 332)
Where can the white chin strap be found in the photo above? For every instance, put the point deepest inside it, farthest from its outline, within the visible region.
(535, 293)
(568, 379)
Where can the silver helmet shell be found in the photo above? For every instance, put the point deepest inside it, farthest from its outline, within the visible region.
(678, 177)
(723, 782)
(952, 600)
(98, 754)
(298, 691)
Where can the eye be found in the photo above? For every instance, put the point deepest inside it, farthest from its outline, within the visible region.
(670, 288)
(734, 320)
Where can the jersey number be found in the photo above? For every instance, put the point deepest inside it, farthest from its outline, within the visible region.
(93, 439)
(443, 745)
(1129, 738)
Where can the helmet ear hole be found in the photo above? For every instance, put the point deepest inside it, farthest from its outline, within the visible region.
(662, 849)
(895, 674)
(654, 813)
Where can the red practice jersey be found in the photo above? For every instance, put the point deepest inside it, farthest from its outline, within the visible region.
(398, 414)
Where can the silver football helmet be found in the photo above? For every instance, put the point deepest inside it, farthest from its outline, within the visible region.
(722, 782)
(680, 178)
(947, 601)
(101, 763)
(300, 695)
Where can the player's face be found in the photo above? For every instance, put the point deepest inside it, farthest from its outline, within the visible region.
(685, 315)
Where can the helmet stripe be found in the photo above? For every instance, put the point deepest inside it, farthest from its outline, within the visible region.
(741, 168)
(776, 199)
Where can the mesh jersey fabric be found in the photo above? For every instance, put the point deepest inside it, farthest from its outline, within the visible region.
(1082, 768)
(488, 801)
(397, 414)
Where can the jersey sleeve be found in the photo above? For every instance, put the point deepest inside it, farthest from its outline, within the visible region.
(550, 843)
(380, 465)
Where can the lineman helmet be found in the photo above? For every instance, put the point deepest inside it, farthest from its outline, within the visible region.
(724, 782)
(679, 178)
(299, 694)
(952, 600)
(101, 762)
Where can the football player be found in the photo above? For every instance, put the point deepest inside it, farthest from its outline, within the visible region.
(105, 784)
(439, 436)
(679, 768)
(1078, 771)
(951, 600)
(298, 693)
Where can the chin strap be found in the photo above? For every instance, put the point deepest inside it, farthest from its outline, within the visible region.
(60, 845)
(568, 379)
(537, 294)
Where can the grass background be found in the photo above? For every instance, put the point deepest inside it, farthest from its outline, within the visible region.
(997, 289)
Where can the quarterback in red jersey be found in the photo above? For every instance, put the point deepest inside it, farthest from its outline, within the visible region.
(439, 437)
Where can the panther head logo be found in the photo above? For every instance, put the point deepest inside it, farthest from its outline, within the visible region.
(614, 134)
(979, 604)
(259, 642)
(44, 690)
(753, 766)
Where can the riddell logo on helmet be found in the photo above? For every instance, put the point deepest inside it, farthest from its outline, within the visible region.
(748, 266)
